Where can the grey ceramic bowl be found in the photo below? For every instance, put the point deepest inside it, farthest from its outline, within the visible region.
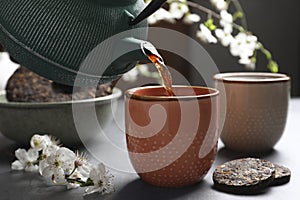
(19, 121)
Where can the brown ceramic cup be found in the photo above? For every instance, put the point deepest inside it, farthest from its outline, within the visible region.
(172, 140)
(254, 108)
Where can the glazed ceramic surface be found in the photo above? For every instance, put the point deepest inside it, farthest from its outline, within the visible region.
(255, 109)
(172, 140)
(19, 121)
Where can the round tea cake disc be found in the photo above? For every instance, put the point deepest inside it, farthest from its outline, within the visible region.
(282, 175)
(244, 176)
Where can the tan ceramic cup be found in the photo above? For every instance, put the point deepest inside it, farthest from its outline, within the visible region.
(253, 109)
(172, 140)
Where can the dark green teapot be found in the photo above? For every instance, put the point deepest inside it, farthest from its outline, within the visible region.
(76, 42)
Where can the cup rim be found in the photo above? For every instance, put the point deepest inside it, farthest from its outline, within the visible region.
(130, 93)
(266, 77)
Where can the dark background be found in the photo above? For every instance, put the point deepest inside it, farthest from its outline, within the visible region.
(277, 25)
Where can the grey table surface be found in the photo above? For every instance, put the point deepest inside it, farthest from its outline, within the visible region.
(31, 186)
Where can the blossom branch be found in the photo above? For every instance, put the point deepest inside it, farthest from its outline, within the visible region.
(242, 44)
(240, 13)
(215, 15)
(62, 166)
(203, 9)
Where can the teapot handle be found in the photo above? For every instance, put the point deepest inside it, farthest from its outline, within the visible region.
(153, 6)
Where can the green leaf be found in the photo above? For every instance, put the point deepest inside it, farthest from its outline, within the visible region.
(268, 54)
(237, 15)
(210, 24)
(273, 66)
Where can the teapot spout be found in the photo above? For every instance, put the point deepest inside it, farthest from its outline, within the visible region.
(153, 6)
(131, 50)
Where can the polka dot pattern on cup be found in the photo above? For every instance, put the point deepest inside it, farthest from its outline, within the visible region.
(254, 129)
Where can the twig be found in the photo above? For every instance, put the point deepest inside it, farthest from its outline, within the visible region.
(240, 9)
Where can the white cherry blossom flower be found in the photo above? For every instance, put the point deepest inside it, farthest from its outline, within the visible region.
(60, 164)
(161, 14)
(101, 180)
(219, 4)
(225, 38)
(205, 35)
(243, 45)
(81, 172)
(143, 68)
(245, 60)
(191, 18)
(26, 160)
(131, 76)
(40, 142)
(140, 69)
(178, 9)
(226, 21)
(248, 62)
(75, 176)
(82, 166)
(49, 150)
